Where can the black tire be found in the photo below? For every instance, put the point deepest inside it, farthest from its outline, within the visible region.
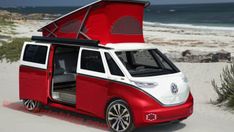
(179, 121)
(31, 105)
(119, 117)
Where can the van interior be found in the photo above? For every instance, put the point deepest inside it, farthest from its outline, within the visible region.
(64, 74)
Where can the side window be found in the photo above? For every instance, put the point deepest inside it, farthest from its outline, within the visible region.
(113, 67)
(140, 58)
(164, 63)
(35, 54)
(91, 60)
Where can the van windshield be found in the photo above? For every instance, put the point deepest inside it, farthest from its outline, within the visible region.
(147, 62)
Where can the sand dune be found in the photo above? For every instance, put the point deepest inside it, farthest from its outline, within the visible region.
(206, 117)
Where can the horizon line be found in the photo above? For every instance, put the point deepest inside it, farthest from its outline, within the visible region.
(151, 5)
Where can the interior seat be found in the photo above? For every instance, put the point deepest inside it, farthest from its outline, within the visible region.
(60, 76)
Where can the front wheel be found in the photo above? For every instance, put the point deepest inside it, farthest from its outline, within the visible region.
(31, 105)
(118, 117)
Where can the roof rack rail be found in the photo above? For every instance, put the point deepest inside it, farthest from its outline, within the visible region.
(68, 42)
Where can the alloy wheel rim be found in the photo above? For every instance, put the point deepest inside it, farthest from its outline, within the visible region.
(30, 104)
(119, 117)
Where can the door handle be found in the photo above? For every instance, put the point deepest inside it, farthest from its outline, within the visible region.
(116, 79)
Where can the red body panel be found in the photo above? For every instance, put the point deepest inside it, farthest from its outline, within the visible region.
(91, 95)
(33, 84)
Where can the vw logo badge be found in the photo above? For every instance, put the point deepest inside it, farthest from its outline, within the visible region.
(174, 88)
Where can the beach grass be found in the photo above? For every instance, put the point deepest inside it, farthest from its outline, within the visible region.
(226, 90)
(7, 26)
(4, 22)
(10, 51)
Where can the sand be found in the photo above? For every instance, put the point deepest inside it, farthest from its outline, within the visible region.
(28, 28)
(178, 38)
(21, 29)
(206, 117)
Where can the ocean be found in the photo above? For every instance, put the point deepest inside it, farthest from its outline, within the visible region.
(209, 15)
(221, 15)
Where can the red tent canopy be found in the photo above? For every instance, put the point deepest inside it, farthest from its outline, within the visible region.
(109, 21)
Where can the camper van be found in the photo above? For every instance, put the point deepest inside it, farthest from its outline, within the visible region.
(94, 61)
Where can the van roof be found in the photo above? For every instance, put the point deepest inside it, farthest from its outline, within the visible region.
(92, 43)
(68, 42)
(130, 46)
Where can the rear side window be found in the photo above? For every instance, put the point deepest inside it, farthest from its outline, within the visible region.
(91, 60)
(140, 58)
(35, 54)
(164, 63)
(113, 67)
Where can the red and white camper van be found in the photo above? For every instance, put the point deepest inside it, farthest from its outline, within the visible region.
(94, 61)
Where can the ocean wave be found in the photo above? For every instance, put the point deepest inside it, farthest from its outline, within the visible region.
(191, 26)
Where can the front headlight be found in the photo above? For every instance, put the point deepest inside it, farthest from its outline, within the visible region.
(145, 84)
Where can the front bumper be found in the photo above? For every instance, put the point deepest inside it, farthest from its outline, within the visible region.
(151, 116)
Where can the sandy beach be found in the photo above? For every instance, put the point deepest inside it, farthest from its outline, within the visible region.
(189, 37)
(175, 39)
(206, 117)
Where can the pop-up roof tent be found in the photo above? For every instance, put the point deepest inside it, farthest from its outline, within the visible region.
(109, 21)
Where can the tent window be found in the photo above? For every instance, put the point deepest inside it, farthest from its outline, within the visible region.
(72, 27)
(127, 25)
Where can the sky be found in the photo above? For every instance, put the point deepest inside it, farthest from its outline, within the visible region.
(15, 3)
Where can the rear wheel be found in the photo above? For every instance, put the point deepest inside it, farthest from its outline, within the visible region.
(118, 117)
(31, 105)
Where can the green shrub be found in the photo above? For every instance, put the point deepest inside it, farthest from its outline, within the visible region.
(10, 51)
(226, 90)
(231, 102)
(4, 22)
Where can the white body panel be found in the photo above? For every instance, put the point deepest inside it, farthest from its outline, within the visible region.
(162, 92)
(163, 89)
